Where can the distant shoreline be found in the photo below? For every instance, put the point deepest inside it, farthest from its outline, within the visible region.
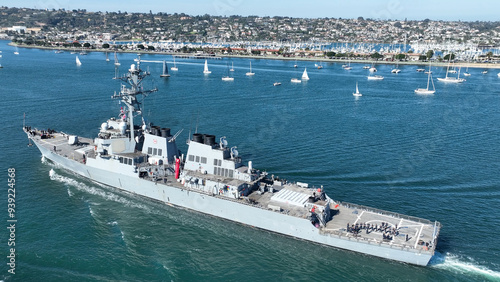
(278, 57)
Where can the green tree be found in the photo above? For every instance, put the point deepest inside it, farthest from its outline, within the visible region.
(86, 45)
(429, 54)
(330, 54)
(151, 48)
(376, 55)
(447, 57)
(105, 45)
(400, 56)
(489, 55)
(140, 46)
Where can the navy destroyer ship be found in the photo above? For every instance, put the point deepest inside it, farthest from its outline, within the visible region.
(143, 159)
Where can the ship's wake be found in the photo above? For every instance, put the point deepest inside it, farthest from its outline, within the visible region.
(94, 191)
(469, 266)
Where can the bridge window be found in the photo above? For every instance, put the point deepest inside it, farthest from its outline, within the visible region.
(155, 151)
(159, 152)
(197, 159)
(191, 158)
(203, 160)
(150, 151)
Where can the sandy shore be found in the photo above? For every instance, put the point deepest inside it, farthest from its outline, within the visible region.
(278, 57)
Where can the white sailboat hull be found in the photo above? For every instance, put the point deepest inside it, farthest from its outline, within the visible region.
(451, 79)
(424, 91)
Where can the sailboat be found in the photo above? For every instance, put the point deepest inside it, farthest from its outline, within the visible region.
(174, 68)
(78, 63)
(375, 77)
(348, 66)
(357, 94)
(107, 57)
(304, 75)
(232, 67)
(165, 70)
(466, 73)
(373, 69)
(427, 90)
(205, 69)
(17, 51)
(250, 73)
(227, 77)
(451, 79)
(484, 72)
(116, 60)
(453, 70)
(396, 70)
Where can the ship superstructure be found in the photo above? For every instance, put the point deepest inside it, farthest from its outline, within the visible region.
(211, 178)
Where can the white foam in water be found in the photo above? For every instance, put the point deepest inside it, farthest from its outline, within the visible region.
(70, 193)
(95, 191)
(453, 263)
(114, 223)
(91, 211)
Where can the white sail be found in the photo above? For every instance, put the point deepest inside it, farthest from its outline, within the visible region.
(165, 70)
(205, 70)
(304, 75)
(357, 91)
(78, 63)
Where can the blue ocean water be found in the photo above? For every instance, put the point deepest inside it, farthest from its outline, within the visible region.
(434, 157)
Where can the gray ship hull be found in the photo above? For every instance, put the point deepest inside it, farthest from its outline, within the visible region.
(234, 210)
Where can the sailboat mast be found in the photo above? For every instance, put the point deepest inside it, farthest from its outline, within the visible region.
(428, 79)
(448, 67)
